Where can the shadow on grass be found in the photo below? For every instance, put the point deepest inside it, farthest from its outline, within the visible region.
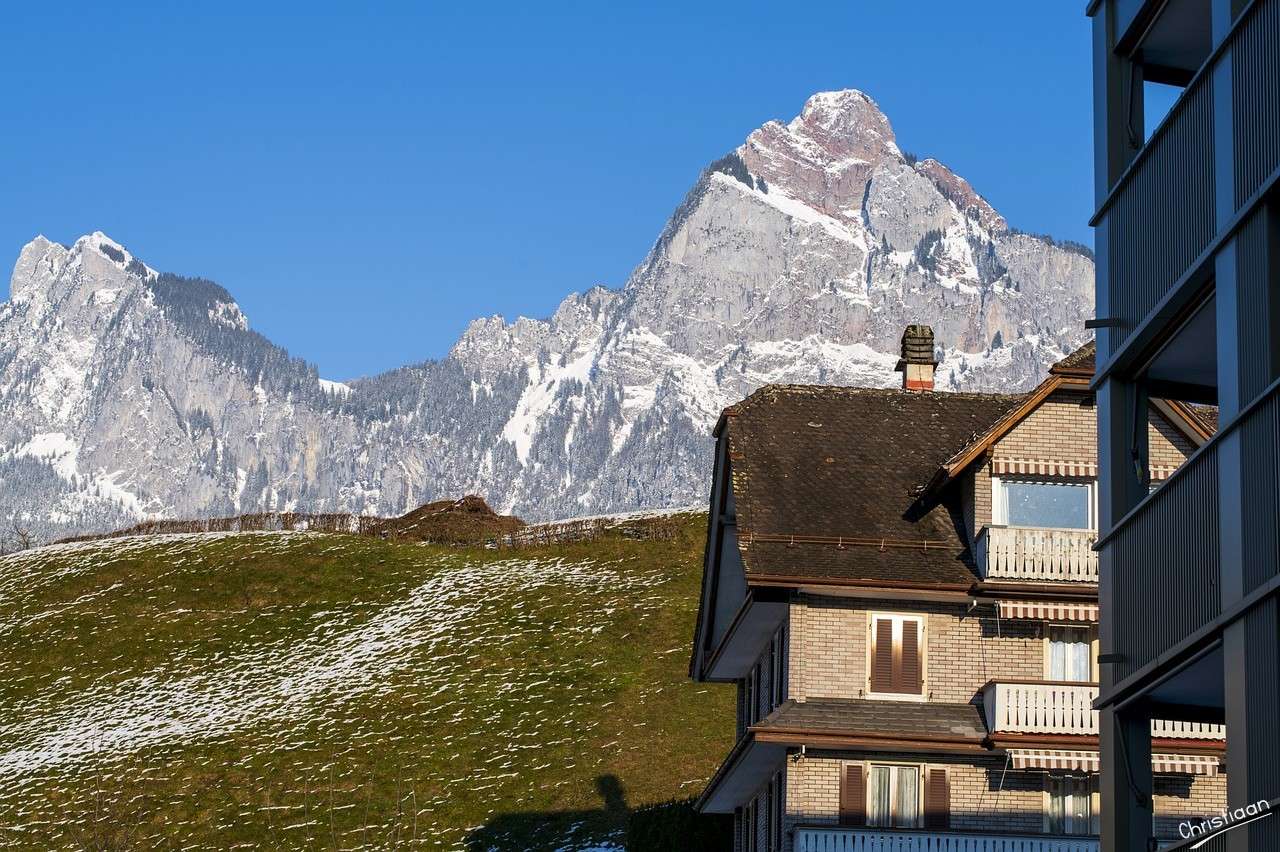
(665, 827)
(557, 830)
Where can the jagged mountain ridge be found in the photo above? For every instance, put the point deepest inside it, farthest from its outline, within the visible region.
(799, 257)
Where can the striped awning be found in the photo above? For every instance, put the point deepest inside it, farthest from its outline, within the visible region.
(1060, 467)
(1048, 611)
(1065, 761)
(1088, 761)
(1185, 764)
(1043, 467)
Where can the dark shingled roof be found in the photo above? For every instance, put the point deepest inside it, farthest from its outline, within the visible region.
(1081, 361)
(1206, 414)
(846, 463)
(861, 717)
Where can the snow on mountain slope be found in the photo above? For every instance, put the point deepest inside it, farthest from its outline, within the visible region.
(799, 257)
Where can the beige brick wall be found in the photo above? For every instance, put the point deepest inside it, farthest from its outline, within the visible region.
(962, 650)
(984, 796)
(813, 791)
(1167, 446)
(797, 637)
(978, 801)
(979, 490)
(1064, 427)
(1181, 797)
(828, 648)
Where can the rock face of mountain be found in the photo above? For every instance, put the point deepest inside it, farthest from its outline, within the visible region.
(799, 257)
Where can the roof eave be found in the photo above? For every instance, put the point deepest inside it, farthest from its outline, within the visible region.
(870, 740)
(797, 581)
(958, 464)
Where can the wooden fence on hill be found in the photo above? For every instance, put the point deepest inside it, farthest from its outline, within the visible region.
(655, 527)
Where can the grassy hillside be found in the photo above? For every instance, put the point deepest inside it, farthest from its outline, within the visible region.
(326, 691)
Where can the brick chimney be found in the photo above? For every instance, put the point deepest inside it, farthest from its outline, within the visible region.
(917, 362)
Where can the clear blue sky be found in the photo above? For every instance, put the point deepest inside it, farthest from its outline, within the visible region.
(365, 178)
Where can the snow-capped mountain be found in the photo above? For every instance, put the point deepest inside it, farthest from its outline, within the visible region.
(798, 257)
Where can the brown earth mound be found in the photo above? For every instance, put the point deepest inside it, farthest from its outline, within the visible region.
(465, 521)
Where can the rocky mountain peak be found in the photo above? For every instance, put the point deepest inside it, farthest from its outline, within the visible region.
(825, 155)
(797, 258)
(41, 264)
(38, 262)
(844, 120)
(960, 193)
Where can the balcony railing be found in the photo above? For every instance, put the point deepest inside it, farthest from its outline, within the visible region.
(1039, 554)
(1016, 707)
(823, 839)
(1166, 559)
(1170, 730)
(1040, 708)
(1161, 216)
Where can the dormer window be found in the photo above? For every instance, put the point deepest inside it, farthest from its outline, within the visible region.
(1043, 503)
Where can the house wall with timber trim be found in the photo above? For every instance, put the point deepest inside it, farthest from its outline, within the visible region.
(985, 795)
(963, 650)
(1063, 428)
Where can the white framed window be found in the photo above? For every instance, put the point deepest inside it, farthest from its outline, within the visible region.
(1069, 655)
(893, 795)
(1044, 503)
(1071, 807)
(896, 657)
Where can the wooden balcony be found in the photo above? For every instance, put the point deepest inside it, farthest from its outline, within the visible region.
(1020, 707)
(1037, 554)
(1040, 708)
(831, 839)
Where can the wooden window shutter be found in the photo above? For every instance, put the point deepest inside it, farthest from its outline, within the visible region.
(937, 798)
(882, 679)
(853, 795)
(910, 680)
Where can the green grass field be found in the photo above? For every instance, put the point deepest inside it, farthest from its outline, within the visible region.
(324, 691)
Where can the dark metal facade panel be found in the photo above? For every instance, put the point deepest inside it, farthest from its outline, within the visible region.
(1262, 697)
(1254, 328)
(1255, 72)
(1166, 559)
(1260, 500)
(1163, 217)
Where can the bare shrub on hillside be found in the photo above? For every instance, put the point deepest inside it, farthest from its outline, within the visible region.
(21, 537)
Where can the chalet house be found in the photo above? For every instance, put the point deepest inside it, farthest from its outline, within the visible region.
(902, 585)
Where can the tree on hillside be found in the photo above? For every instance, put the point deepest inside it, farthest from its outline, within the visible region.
(20, 536)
